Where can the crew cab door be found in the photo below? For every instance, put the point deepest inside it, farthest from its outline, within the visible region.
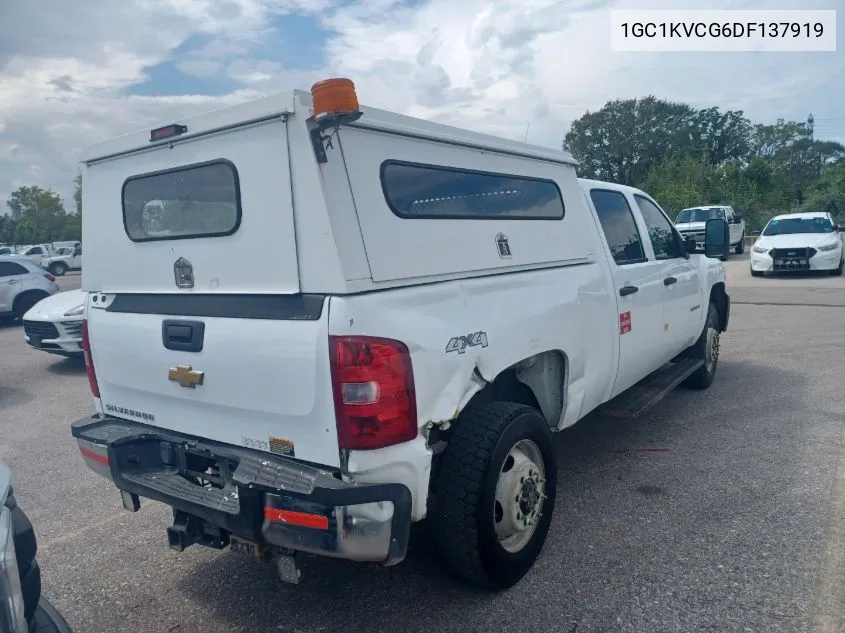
(637, 285)
(679, 276)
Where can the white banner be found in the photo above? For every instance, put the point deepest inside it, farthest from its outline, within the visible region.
(722, 31)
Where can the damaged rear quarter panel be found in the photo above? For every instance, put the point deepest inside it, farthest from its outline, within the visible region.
(518, 315)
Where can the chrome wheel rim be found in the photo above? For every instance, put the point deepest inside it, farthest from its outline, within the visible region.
(711, 353)
(520, 496)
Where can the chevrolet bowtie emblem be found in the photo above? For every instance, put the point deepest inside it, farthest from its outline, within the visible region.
(185, 376)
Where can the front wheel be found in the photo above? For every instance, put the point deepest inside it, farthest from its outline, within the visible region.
(707, 349)
(494, 493)
(836, 272)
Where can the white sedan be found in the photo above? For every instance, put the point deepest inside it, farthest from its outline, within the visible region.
(54, 324)
(799, 242)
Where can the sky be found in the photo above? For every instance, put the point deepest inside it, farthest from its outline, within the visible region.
(72, 74)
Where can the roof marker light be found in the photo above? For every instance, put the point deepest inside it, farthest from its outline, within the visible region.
(167, 131)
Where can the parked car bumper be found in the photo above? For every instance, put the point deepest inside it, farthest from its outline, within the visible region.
(260, 498)
(55, 337)
(820, 261)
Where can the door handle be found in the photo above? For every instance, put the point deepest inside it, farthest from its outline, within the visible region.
(183, 336)
(669, 281)
(624, 291)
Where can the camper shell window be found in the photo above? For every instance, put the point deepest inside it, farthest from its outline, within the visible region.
(416, 191)
(200, 200)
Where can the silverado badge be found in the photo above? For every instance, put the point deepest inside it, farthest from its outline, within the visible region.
(186, 376)
(184, 273)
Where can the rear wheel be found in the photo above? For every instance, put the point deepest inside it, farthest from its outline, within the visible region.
(494, 493)
(740, 247)
(707, 349)
(58, 268)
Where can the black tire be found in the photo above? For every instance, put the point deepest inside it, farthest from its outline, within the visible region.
(836, 272)
(464, 506)
(740, 247)
(25, 301)
(756, 273)
(703, 376)
(58, 268)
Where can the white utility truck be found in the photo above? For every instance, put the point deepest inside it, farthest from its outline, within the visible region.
(310, 324)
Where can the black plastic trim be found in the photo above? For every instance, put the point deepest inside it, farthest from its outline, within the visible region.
(182, 335)
(300, 307)
(236, 182)
(462, 216)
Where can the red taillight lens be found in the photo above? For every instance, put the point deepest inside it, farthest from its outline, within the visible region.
(374, 398)
(89, 363)
(49, 277)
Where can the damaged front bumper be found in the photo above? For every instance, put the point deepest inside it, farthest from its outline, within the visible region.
(222, 493)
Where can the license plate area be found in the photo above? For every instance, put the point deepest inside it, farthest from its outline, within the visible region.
(789, 263)
(241, 545)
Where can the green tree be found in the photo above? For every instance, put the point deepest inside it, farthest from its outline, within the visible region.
(828, 193)
(623, 140)
(39, 214)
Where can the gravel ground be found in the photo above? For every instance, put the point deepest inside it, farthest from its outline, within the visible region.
(735, 526)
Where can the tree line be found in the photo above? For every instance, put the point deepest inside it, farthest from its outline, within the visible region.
(685, 157)
(38, 215)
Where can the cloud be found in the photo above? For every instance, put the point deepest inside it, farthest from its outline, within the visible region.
(519, 69)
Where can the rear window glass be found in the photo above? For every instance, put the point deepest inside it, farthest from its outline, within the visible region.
(192, 201)
(436, 192)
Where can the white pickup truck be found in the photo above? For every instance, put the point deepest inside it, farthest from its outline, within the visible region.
(691, 222)
(66, 258)
(36, 254)
(444, 301)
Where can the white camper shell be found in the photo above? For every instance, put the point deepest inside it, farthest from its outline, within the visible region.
(305, 336)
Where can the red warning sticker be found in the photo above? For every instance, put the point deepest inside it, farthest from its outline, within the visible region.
(624, 322)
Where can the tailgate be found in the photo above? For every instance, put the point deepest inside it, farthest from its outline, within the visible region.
(249, 370)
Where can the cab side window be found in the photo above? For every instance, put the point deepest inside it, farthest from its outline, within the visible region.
(12, 269)
(620, 229)
(664, 240)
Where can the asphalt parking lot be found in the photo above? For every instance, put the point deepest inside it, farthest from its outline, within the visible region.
(722, 510)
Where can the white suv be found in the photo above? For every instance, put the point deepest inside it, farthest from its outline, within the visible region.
(22, 285)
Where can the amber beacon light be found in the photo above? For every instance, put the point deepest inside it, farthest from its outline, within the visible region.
(335, 101)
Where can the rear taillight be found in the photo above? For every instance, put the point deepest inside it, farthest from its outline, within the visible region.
(89, 362)
(49, 277)
(374, 398)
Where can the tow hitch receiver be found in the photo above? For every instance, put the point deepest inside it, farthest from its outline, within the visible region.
(188, 530)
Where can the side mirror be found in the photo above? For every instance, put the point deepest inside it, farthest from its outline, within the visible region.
(690, 245)
(717, 238)
(737, 218)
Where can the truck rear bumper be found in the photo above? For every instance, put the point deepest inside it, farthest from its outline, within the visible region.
(218, 491)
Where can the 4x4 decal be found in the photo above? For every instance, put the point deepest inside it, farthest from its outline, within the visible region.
(460, 343)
